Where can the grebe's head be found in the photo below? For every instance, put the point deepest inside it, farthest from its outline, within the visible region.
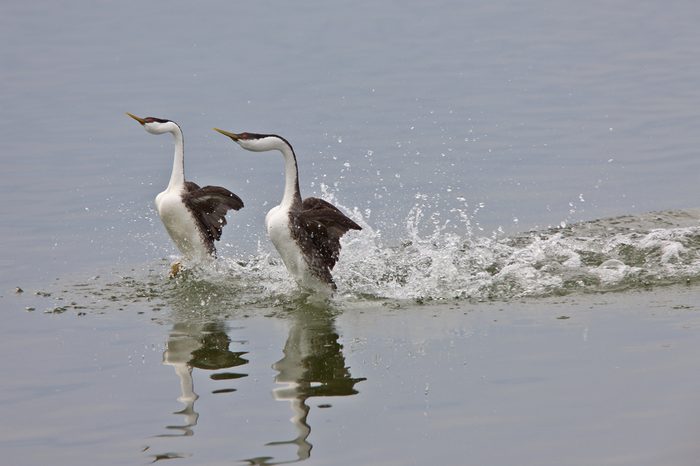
(257, 142)
(156, 125)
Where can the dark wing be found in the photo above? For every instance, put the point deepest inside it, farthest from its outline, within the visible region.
(191, 186)
(209, 206)
(318, 227)
(329, 215)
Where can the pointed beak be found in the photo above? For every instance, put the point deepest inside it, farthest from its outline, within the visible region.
(140, 120)
(233, 136)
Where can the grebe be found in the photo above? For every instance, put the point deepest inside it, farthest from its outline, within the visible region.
(193, 216)
(306, 233)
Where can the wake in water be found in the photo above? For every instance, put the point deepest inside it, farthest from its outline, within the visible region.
(603, 255)
(434, 262)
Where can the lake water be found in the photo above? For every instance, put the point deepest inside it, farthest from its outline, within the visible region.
(524, 289)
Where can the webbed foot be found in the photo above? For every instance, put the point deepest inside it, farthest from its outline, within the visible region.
(175, 269)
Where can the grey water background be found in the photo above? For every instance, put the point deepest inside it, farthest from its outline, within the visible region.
(524, 114)
(544, 112)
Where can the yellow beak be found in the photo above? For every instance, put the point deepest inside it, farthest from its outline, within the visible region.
(140, 120)
(233, 136)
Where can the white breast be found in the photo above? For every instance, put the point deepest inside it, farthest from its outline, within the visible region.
(181, 226)
(277, 223)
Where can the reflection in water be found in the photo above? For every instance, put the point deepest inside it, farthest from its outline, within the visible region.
(313, 365)
(177, 354)
(204, 346)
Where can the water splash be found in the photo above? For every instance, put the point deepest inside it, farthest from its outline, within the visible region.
(604, 255)
(434, 261)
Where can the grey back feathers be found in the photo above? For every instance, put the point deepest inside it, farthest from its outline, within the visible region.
(208, 206)
(317, 227)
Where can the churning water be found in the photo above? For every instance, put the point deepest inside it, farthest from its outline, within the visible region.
(433, 264)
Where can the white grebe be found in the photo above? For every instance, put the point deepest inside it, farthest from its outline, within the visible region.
(306, 233)
(193, 216)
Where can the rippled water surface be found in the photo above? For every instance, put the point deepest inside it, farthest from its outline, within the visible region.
(524, 289)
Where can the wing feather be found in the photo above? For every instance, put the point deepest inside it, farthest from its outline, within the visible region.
(318, 227)
(209, 206)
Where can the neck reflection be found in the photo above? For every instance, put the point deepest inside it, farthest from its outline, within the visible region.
(313, 366)
(204, 346)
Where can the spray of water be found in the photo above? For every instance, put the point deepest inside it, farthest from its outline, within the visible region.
(604, 255)
(437, 258)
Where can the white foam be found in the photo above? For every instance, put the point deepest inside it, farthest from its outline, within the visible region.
(440, 258)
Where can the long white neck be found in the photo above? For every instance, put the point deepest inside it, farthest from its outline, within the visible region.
(291, 179)
(177, 177)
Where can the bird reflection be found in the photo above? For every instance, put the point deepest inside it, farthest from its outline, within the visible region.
(313, 365)
(204, 346)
